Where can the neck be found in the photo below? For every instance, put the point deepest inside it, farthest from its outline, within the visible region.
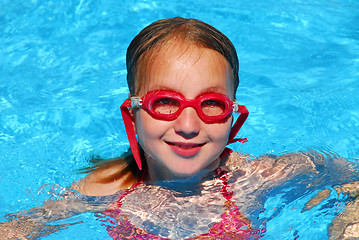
(159, 175)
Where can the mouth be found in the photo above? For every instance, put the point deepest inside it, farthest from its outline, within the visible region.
(186, 150)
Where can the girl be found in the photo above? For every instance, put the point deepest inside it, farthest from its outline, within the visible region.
(182, 76)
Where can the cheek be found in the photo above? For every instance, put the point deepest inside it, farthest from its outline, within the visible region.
(141, 123)
(147, 128)
(219, 132)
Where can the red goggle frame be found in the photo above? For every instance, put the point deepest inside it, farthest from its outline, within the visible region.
(168, 105)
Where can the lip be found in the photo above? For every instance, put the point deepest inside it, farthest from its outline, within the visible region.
(186, 150)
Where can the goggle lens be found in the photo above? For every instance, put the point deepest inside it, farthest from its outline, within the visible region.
(213, 107)
(165, 105)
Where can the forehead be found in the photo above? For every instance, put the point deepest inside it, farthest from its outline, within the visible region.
(176, 65)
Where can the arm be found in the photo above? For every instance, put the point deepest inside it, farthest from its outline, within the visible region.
(33, 223)
(336, 170)
(346, 224)
(255, 177)
(311, 165)
(38, 221)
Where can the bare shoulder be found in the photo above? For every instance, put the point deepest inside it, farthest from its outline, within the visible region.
(302, 162)
(250, 165)
(273, 167)
(105, 181)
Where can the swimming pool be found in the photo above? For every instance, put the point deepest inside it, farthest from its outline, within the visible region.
(63, 79)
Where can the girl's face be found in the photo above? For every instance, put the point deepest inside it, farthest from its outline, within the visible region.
(185, 146)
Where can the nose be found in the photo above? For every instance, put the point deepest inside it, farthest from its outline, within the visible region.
(188, 123)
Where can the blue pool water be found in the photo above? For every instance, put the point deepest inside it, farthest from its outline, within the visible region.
(63, 78)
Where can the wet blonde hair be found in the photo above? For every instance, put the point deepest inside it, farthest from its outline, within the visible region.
(148, 43)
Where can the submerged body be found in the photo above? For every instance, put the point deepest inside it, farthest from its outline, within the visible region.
(206, 209)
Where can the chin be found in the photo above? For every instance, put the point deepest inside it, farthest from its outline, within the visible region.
(185, 172)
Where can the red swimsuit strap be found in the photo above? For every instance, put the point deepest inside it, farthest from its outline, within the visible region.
(223, 177)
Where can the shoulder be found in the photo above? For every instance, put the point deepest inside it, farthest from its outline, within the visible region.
(272, 167)
(105, 181)
(249, 163)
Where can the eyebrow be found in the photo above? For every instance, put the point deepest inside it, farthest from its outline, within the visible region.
(204, 90)
(213, 89)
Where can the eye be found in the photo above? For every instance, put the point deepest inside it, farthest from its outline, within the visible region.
(213, 107)
(212, 102)
(165, 105)
(165, 101)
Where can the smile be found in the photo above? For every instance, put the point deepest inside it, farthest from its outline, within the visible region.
(186, 150)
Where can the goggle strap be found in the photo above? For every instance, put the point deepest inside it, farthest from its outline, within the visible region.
(238, 124)
(226, 152)
(126, 116)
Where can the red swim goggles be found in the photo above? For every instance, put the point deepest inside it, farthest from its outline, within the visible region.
(168, 105)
